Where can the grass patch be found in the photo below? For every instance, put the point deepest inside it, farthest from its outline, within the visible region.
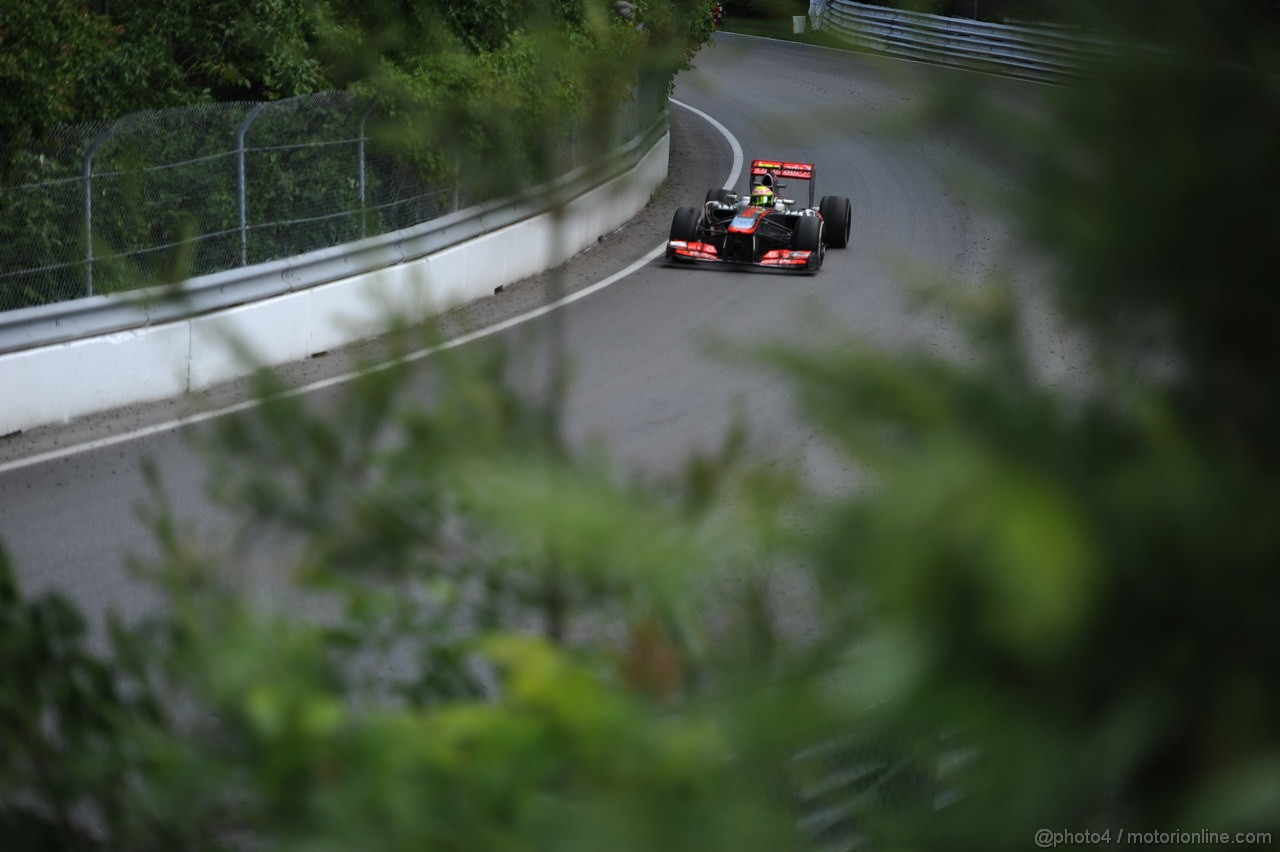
(780, 28)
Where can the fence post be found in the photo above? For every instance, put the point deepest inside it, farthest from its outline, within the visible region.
(240, 183)
(88, 208)
(364, 215)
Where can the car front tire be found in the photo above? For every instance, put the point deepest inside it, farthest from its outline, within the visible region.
(684, 225)
(808, 237)
(836, 211)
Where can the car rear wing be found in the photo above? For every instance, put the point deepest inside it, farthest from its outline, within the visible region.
(781, 169)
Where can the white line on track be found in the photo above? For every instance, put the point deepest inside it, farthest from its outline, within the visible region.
(724, 131)
(201, 417)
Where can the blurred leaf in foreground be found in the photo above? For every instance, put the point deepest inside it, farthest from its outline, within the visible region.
(1045, 608)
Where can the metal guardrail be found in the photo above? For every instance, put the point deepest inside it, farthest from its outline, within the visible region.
(1044, 54)
(61, 322)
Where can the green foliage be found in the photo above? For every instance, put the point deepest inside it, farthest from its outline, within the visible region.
(226, 49)
(417, 716)
(1196, 171)
(1042, 608)
(485, 25)
(73, 726)
(1078, 582)
(64, 63)
(1047, 576)
(61, 63)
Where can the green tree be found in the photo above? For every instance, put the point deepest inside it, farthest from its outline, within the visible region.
(63, 62)
(1076, 585)
(55, 60)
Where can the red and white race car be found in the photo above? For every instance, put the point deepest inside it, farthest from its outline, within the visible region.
(760, 227)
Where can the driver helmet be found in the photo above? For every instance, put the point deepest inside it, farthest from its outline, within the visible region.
(762, 196)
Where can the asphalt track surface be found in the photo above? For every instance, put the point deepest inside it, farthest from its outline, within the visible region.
(646, 381)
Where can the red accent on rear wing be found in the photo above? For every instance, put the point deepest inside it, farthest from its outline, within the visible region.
(780, 168)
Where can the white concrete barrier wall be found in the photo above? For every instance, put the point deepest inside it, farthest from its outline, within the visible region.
(57, 383)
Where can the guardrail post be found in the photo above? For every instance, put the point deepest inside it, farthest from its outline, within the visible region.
(241, 187)
(817, 11)
(88, 209)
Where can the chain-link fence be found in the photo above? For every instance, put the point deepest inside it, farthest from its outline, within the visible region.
(163, 196)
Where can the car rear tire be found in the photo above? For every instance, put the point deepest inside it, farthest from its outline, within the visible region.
(684, 225)
(837, 212)
(720, 195)
(808, 237)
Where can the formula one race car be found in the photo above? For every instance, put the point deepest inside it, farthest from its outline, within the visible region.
(761, 228)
